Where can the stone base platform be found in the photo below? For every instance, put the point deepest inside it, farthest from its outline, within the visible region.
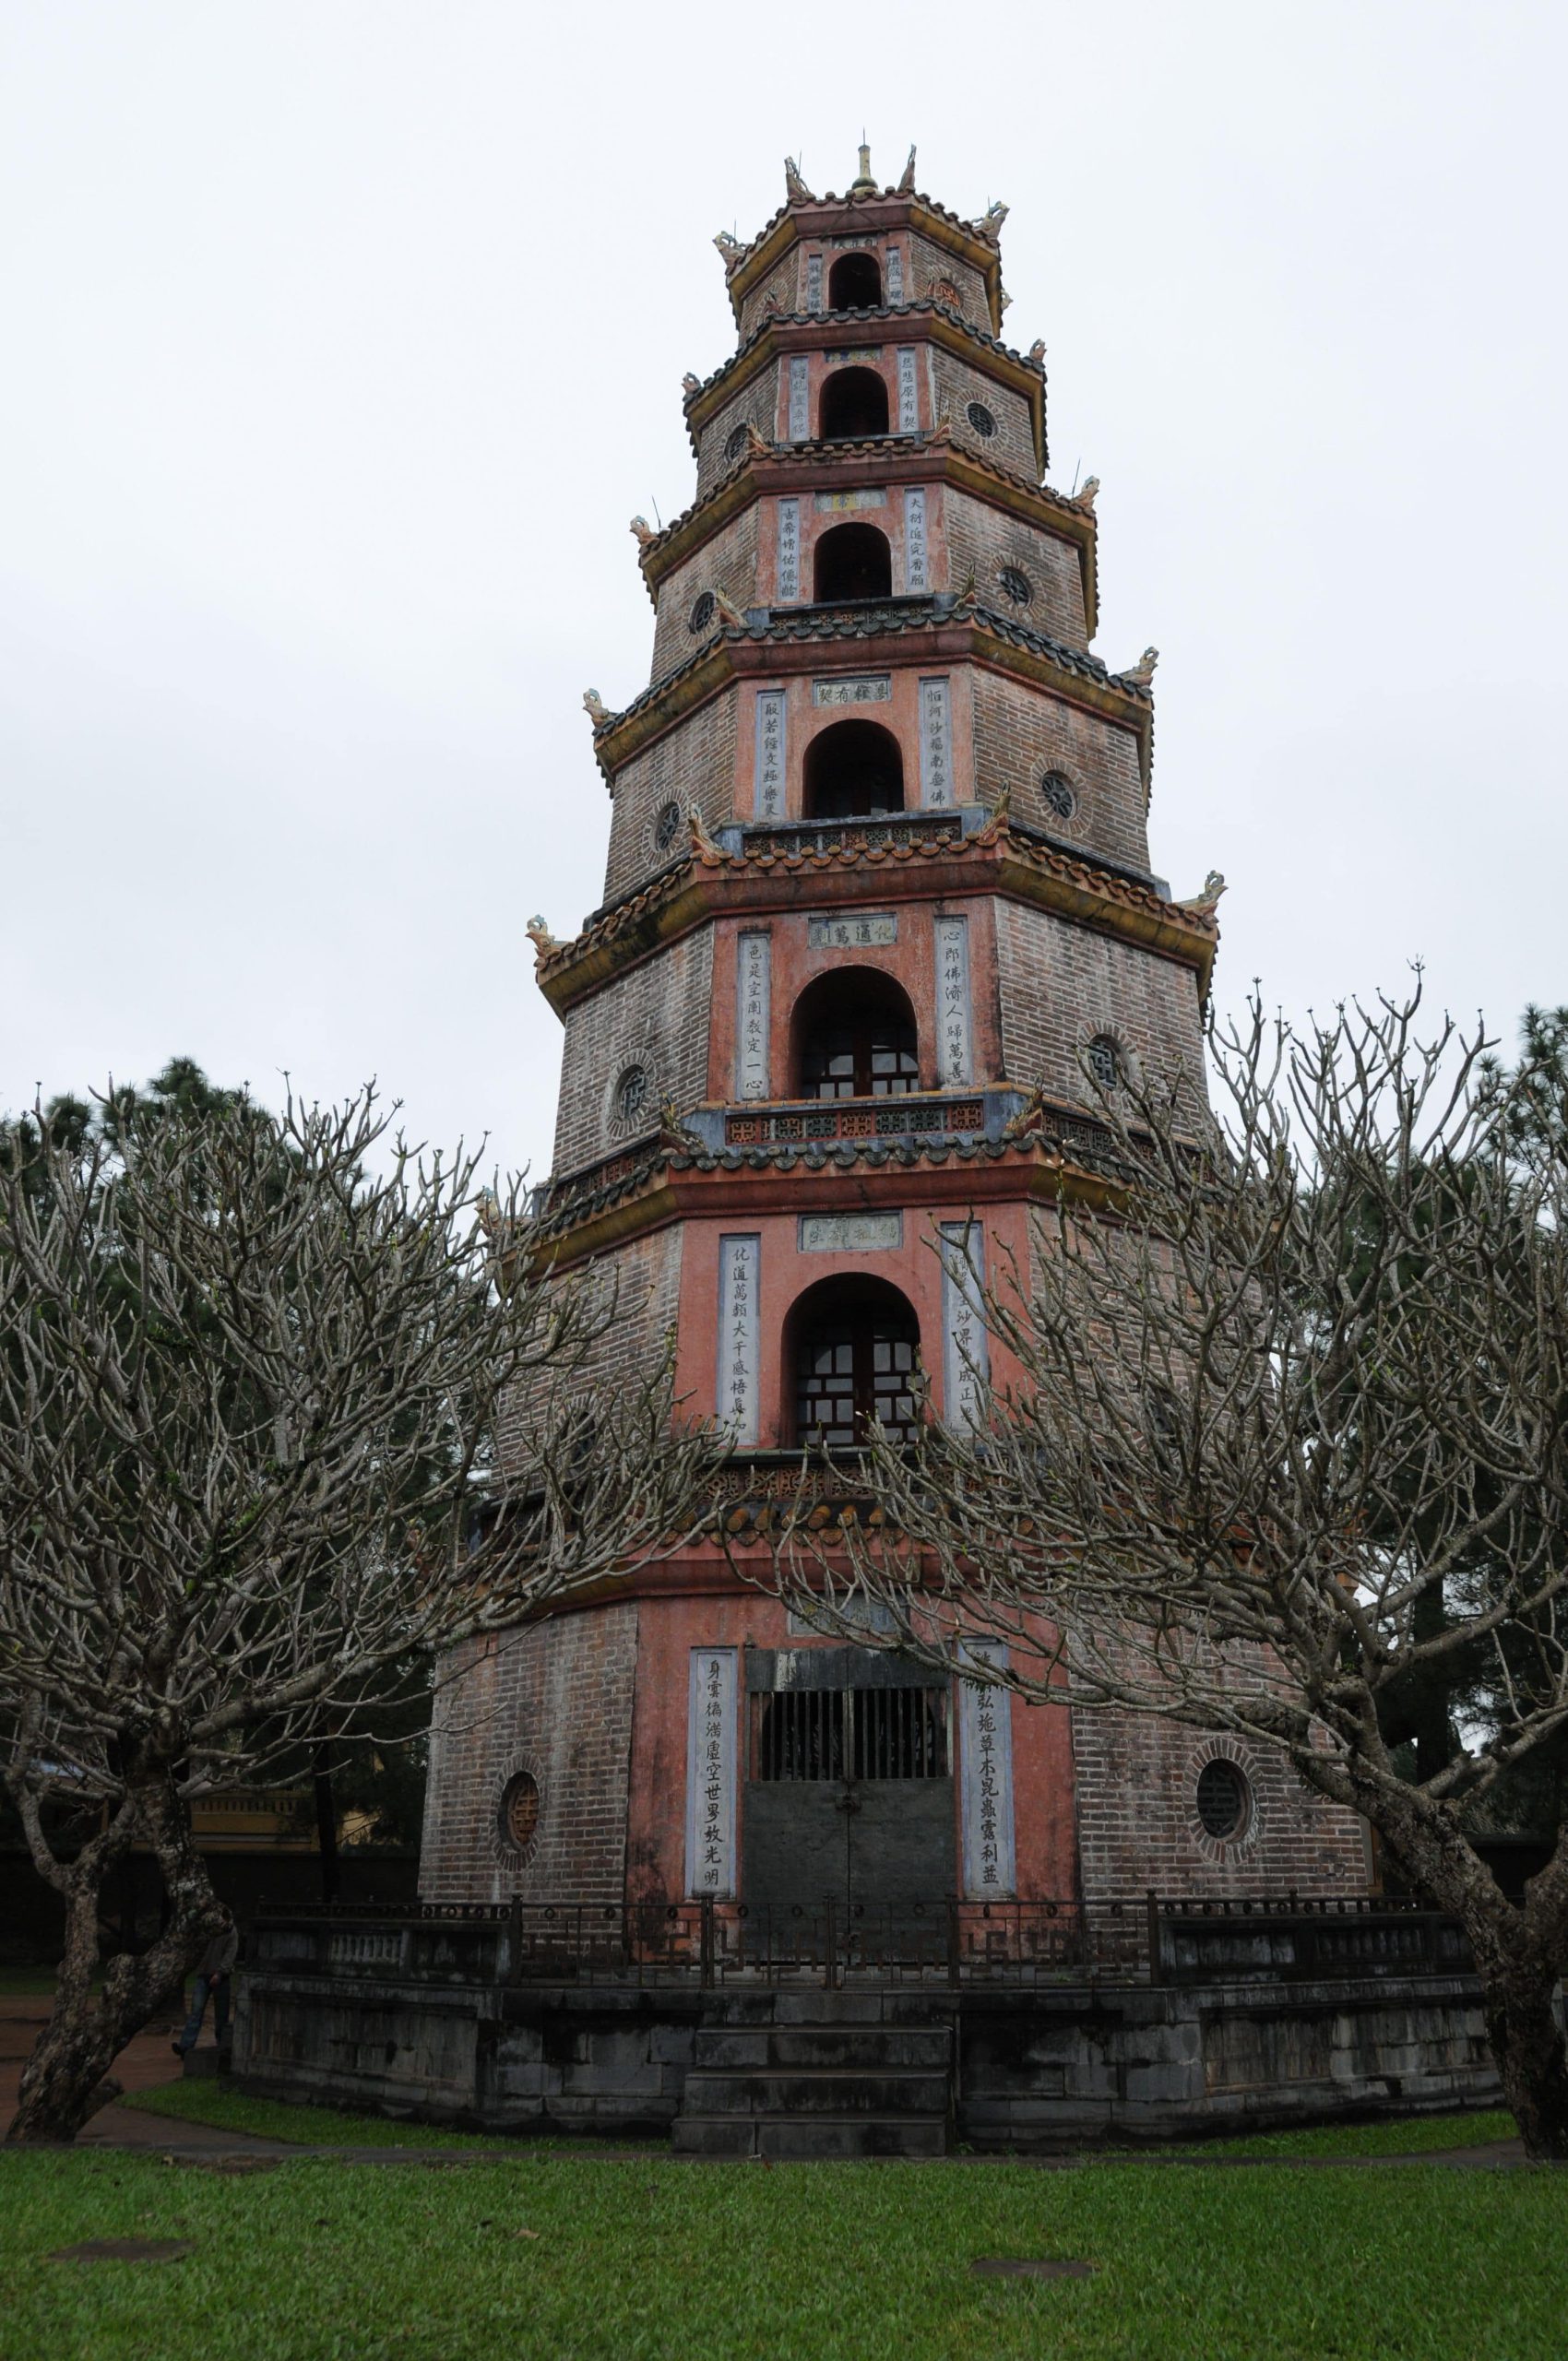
(897, 2068)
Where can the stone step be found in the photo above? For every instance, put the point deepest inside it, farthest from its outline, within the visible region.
(826, 2090)
(849, 2048)
(799, 2137)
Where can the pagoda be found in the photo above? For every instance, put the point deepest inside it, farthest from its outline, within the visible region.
(877, 893)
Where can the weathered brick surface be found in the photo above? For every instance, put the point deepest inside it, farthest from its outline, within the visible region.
(1060, 985)
(757, 402)
(1137, 1784)
(655, 1016)
(985, 540)
(693, 763)
(959, 382)
(726, 563)
(554, 1700)
(640, 1284)
(1021, 732)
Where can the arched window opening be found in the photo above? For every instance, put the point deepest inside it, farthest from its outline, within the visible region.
(855, 1038)
(854, 284)
(854, 403)
(853, 771)
(852, 562)
(855, 1352)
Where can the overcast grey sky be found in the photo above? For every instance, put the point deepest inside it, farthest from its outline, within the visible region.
(343, 337)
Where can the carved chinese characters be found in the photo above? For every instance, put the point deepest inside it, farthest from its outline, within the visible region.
(751, 989)
(908, 393)
(789, 549)
(936, 747)
(954, 1061)
(769, 781)
(985, 1733)
(964, 1360)
(740, 1274)
(917, 574)
(711, 1776)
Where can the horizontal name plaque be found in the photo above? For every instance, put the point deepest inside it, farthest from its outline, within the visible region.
(872, 688)
(848, 933)
(830, 503)
(850, 1233)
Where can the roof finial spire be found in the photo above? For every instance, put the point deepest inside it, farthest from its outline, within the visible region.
(863, 184)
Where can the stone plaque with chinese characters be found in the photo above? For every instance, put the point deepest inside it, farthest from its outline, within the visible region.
(813, 282)
(829, 504)
(985, 1769)
(850, 1233)
(800, 399)
(954, 1060)
(916, 571)
(739, 1275)
(936, 747)
(789, 549)
(895, 274)
(752, 977)
(965, 1358)
(769, 784)
(875, 688)
(908, 393)
(853, 930)
(711, 1776)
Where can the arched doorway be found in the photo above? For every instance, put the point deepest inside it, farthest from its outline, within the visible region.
(854, 404)
(853, 771)
(852, 562)
(854, 284)
(853, 1347)
(854, 1038)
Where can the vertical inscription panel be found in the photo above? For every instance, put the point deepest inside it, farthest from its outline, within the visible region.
(813, 282)
(740, 1274)
(908, 392)
(788, 549)
(954, 1051)
(800, 399)
(711, 1776)
(768, 779)
(936, 746)
(753, 981)
(917, 569)
(985, 1742)
(895, 274)
(965, 1360)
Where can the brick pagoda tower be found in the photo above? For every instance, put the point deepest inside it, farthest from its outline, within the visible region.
(878, 884)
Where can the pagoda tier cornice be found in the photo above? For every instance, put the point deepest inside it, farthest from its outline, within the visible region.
(678, 1184)
(931, 862)
(884, 458)
(765, 643)
(785, 332)
(882, 210)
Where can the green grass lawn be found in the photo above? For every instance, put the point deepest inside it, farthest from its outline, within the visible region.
(312, 2127)
(640, 2261)
(1407, 2135)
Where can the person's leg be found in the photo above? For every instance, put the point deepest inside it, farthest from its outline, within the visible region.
(220, 2010)
(192, 2034)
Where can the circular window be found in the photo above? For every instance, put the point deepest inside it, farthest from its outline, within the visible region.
(736, 441)
(519, 1811)
(667, 828)
(1224, 1799)
(1105, 1062)
(1017, 584)
(981, 419)
(1058, 795)
(703, 609)
(631, 1098)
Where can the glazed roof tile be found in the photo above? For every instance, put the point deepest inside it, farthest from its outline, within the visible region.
(881, 196)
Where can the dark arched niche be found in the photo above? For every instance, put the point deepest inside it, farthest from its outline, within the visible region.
(853, 771)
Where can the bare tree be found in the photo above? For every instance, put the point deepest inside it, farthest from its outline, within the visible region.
(251, 1371)
(1287, 1450)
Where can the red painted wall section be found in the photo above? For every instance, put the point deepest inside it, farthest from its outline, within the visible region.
(899, 713)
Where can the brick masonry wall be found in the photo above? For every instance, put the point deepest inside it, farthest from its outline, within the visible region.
(758, 401)
(987, 538)
(779, 291)
(1022, 732)
(641, 1284)
(729, 564)
(928, 265)
(655, 1016)
(956, 383)
(693, 763)
(1138, 1826)
(554, 1700)
(1060, 984)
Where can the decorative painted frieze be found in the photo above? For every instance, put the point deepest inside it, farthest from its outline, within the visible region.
(753, 983)
(985, 1772)
(936, 746)
(769, 784)
(917, 572)
(740, 1278)
(965, 1356)
(954, 1053)
(710, 1775)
